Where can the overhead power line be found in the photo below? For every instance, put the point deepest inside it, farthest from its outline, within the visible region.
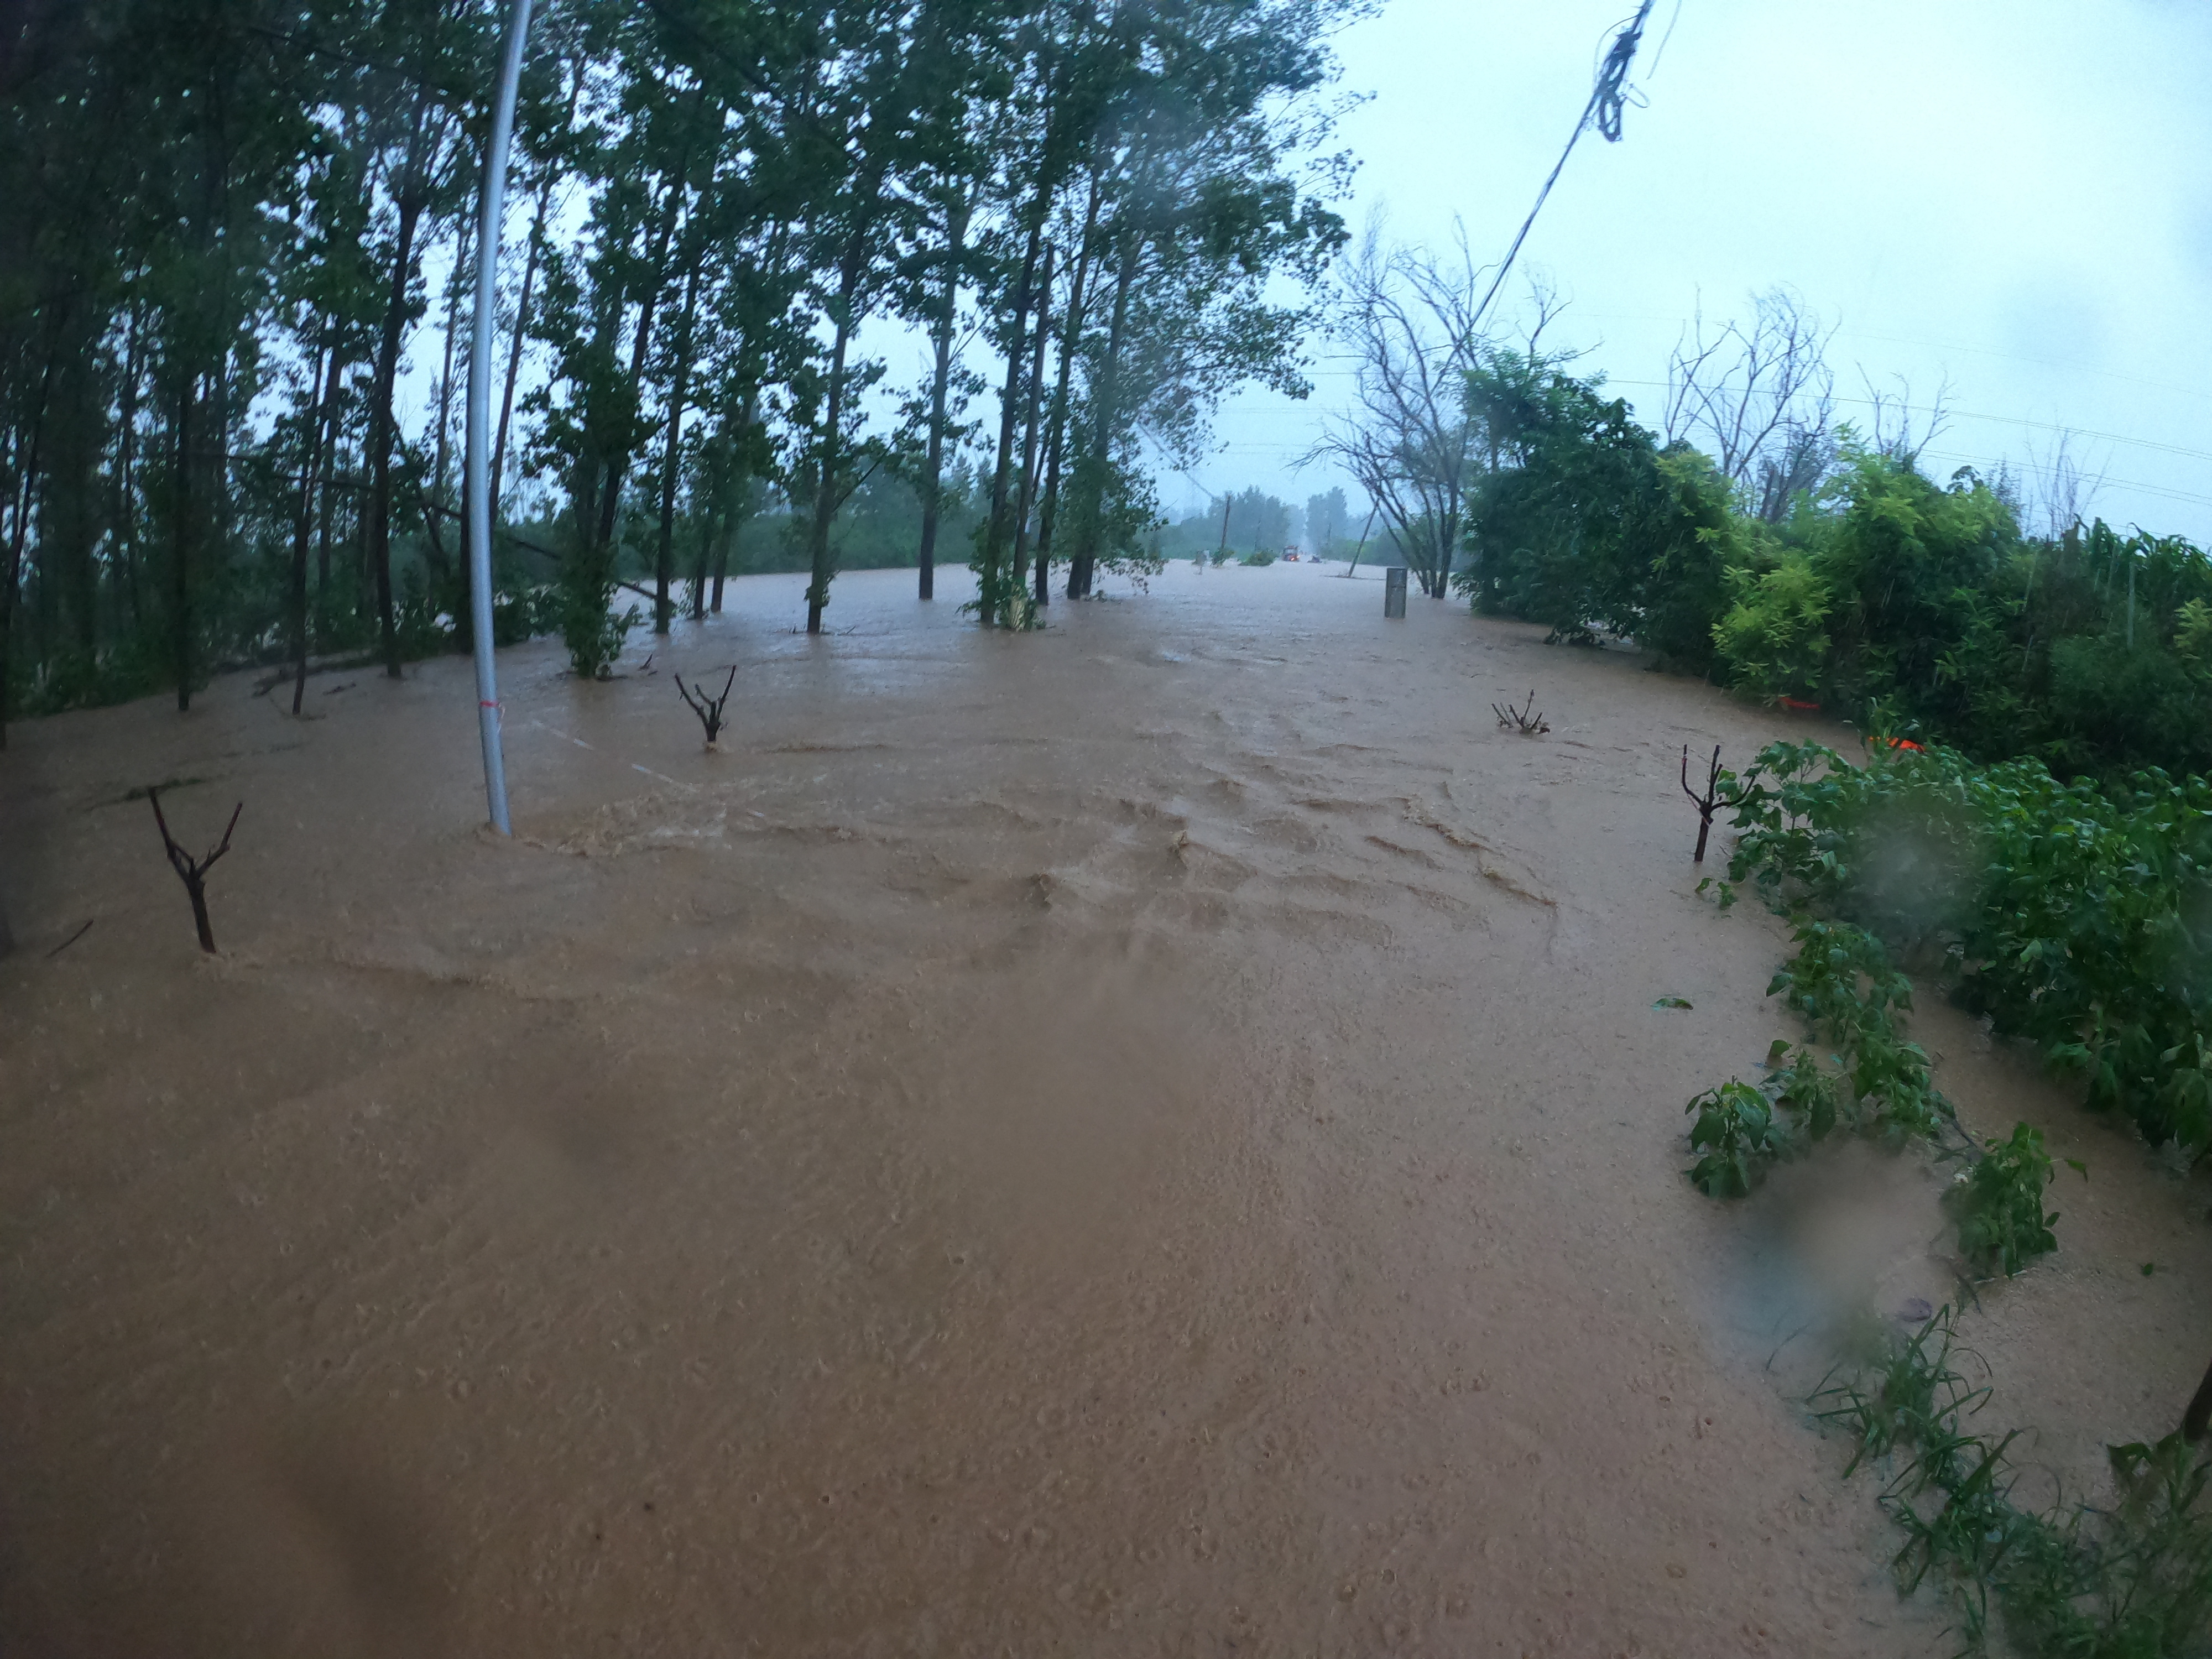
(1606, 100)
(2061, 427)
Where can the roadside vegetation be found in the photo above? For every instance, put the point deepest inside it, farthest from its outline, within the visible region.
(2129, 1578)
(2029, 833)
(2061, 912)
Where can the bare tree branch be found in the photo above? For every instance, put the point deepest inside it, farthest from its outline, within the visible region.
(1894, 432)
(1760, 399)
(1410, 320)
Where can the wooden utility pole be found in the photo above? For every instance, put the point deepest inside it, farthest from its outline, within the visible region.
(1363, 535)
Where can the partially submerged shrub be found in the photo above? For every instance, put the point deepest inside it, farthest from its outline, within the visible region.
(1876, 1083)
(1998, 1204)
(2069, 915)
(1738, 1134)
(2130, 1581)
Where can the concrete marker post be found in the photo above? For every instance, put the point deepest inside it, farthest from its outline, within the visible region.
(1394, 590)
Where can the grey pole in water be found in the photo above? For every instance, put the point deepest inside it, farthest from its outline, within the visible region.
(1363, 535)
(478, 484)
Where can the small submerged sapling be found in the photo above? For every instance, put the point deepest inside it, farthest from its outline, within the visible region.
(1706, 804)
(1529, 724)
(708, 709)
(191, 871)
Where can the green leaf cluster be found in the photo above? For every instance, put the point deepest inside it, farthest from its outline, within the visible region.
(1737, 1135)
(2076, 918)
(1877, 588)
(1876, 1084)
(1998, 1203)
(1583, 521)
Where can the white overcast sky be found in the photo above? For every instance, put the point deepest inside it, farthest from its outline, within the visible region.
(2016, 196)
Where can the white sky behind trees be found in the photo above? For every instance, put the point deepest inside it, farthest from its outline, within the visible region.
(2015, 196)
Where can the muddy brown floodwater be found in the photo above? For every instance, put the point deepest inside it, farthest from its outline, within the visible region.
(1151, 1138)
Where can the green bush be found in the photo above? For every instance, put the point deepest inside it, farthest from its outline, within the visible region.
(1998, 1204)
(1588, 525)
(1881, 588)
(1738, 1135)
(2069, 916)
(1773, 638)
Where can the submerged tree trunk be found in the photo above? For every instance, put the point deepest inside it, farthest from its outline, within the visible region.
(994, 535)
(304, 521)
(1071, 337)
(381, 435)
(1097, 460)
(522, 304)
(679, 381)
(446, 379)
(328, 494)
(940, 380)
(11, 579)
(181, 596)
(1033, 403)
(826, 489)
(70, 525)
(708, 533)
(743, 484)
(723, 553)
(514, 352)
(617, 469)
(126, 508)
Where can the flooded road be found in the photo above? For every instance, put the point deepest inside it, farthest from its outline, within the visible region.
(1149, 1138)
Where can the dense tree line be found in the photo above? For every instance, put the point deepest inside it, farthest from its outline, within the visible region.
(229, 228)
(1755, 540)
(1917, 606)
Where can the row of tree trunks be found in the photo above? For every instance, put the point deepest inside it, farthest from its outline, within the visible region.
(185, 506)
(1080, 568)
(826, 472)
(617, 469)
(321, 412)
(830, 488)
(664, 566)
(748, 413)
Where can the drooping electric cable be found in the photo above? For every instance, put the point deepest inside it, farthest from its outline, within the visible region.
(1603, 110)
(1659, 57)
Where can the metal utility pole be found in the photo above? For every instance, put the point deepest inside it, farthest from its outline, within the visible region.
(479, 485)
